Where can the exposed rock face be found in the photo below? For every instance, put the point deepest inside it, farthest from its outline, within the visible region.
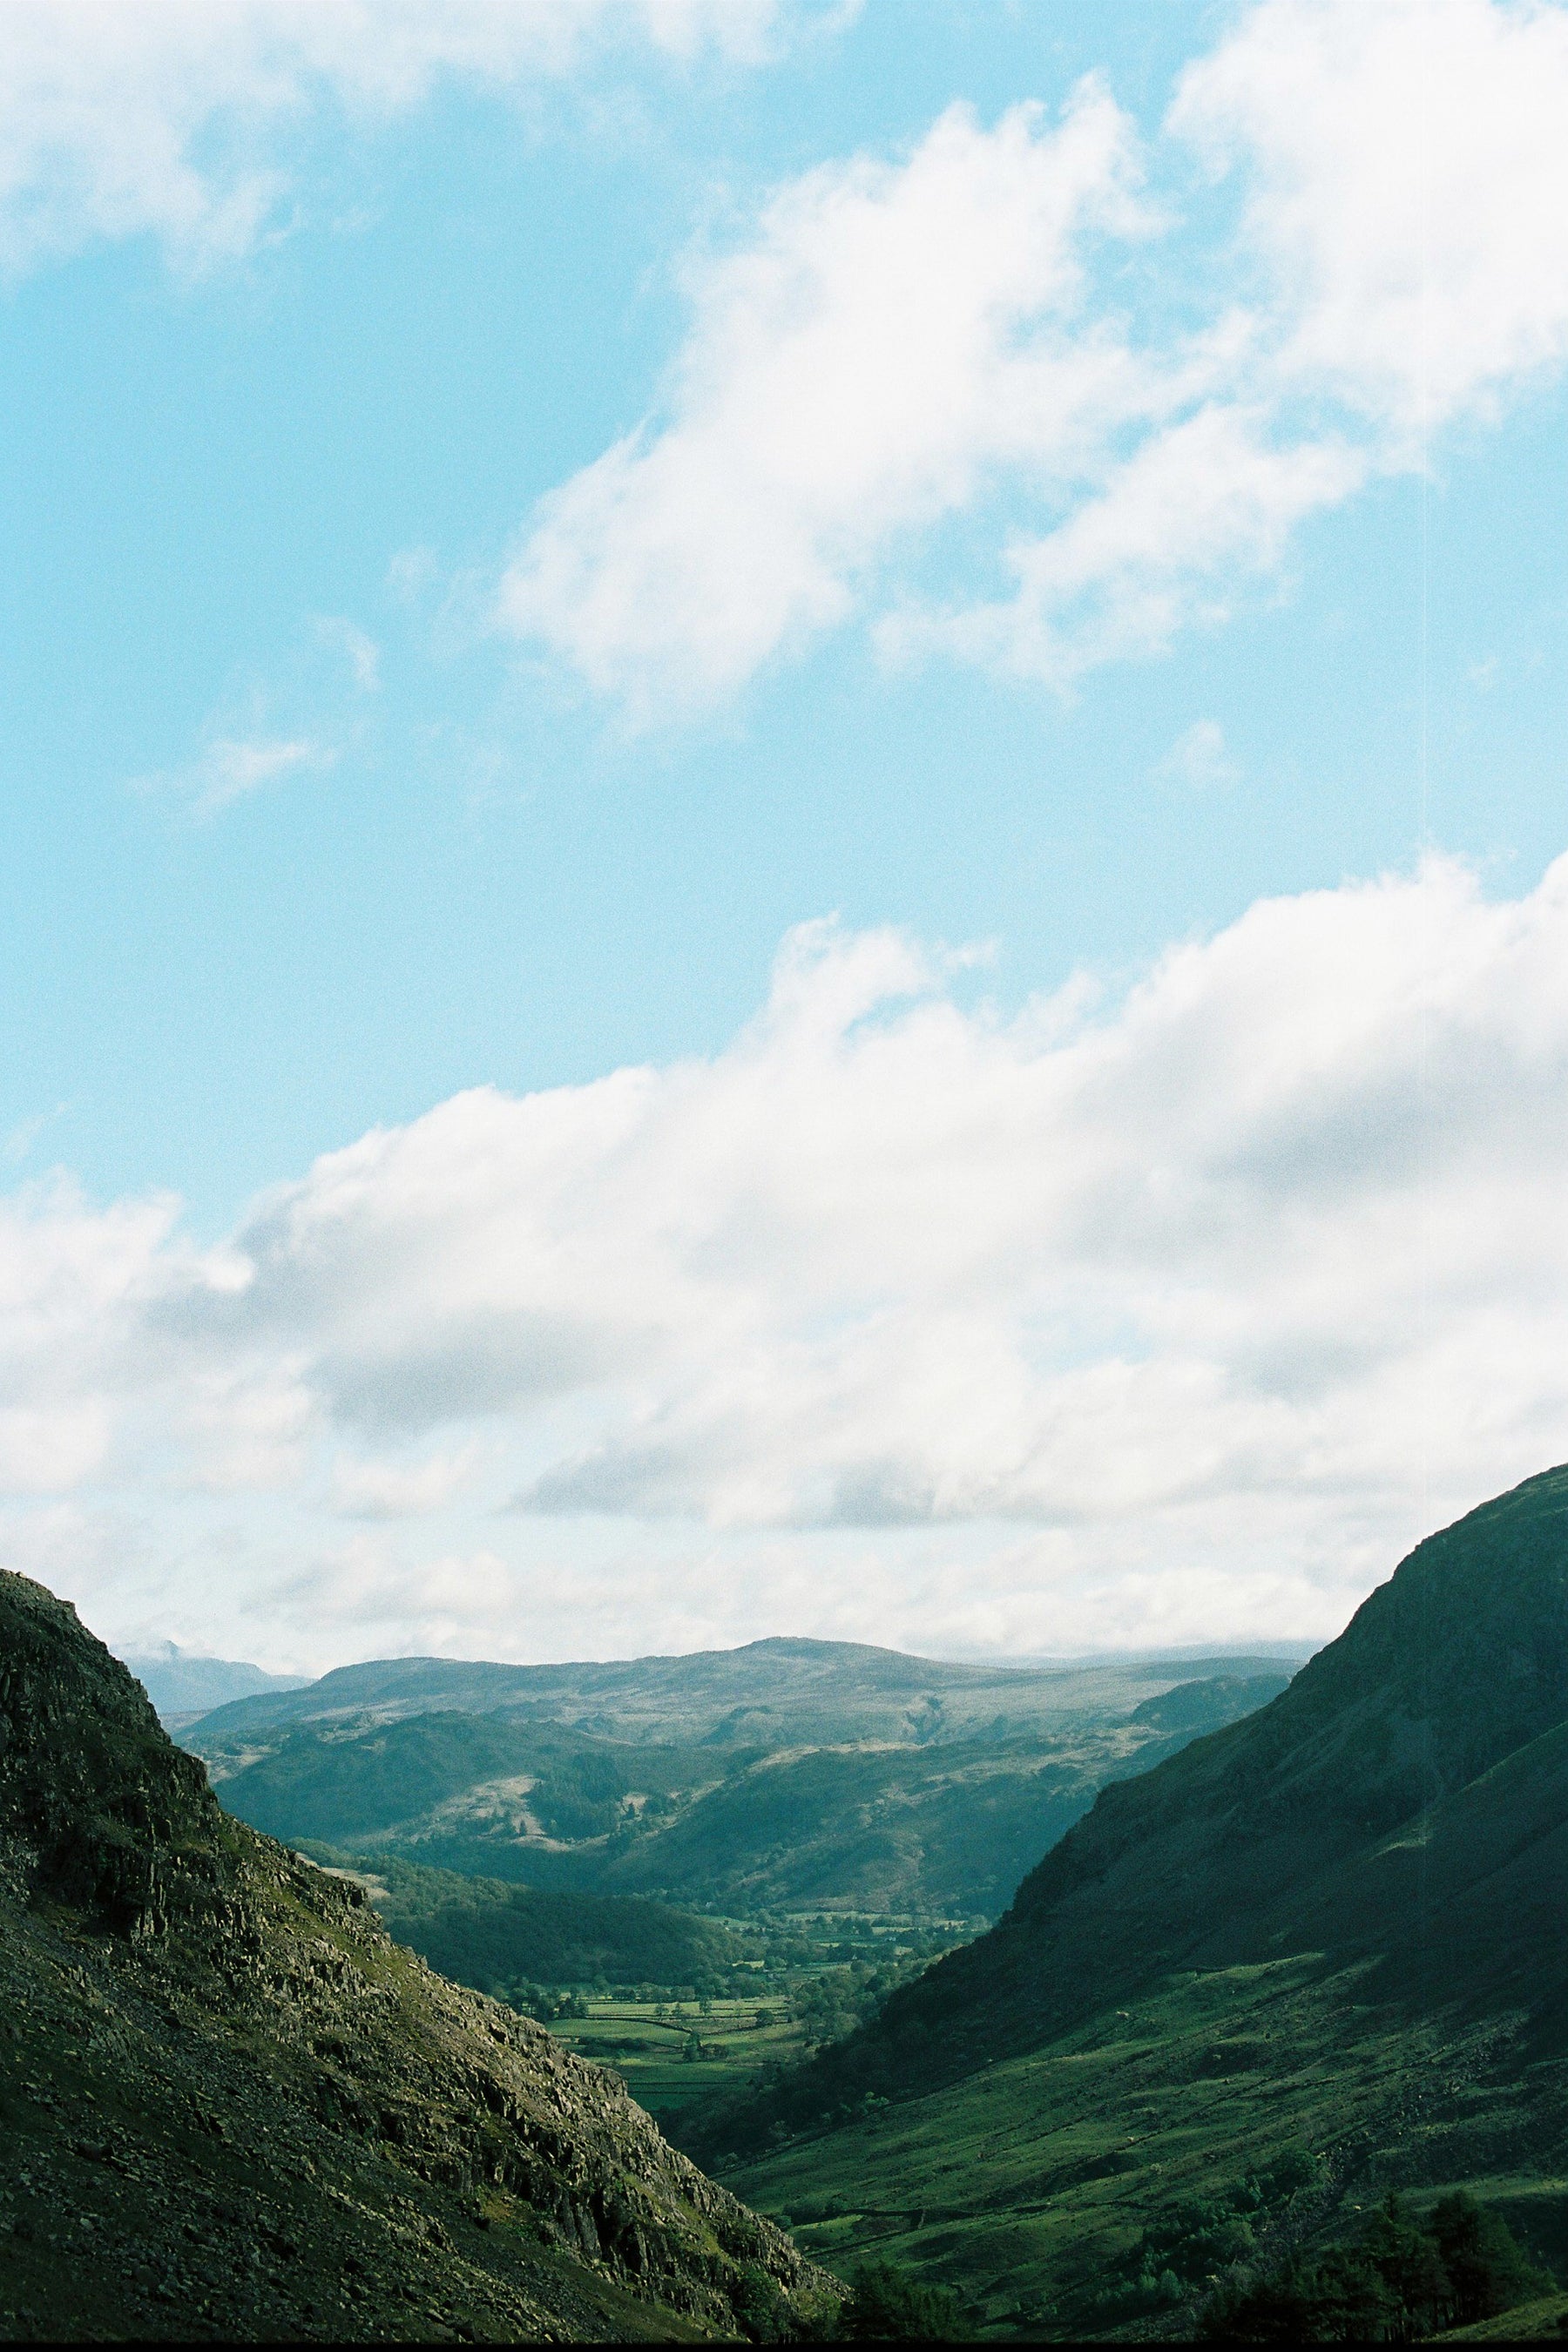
(231, 2107)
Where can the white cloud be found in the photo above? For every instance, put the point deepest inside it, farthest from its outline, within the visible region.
(969, 1328)
(1202, 511)
(120, 118)
(230, 768)
(896, 339)
(1406, 192)
(365, 1489)
(1199, 759)
(958, 335)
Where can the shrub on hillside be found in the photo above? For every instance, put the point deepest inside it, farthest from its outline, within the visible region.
(1399, 2280)
(889, 2305)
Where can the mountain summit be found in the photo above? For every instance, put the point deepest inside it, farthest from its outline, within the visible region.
(233, 2108)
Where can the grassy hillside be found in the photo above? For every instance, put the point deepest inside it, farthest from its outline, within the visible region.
(1334, 1926)
(931, 1815)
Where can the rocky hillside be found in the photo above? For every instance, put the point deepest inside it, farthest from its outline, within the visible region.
(231, 2107)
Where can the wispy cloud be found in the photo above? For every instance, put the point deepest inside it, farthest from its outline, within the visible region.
(232, 767)
(958, 332)
(358, 648)
(1199, 759)
(185, 118)
(20, 1144)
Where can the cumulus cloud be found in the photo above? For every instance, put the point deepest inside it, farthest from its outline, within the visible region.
(960, 333)
(895, 338)
(1406, 198)
(173, 118)
(1094, 1307)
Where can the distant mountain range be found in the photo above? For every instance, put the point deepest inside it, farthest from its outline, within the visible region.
(1323, 1946)
(786, 1773)
(183, 1685)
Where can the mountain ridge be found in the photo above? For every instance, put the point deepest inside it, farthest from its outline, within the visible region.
(791, 1772)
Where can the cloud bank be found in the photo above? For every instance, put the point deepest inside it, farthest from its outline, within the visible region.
(1131, 368)
(1172, 1316)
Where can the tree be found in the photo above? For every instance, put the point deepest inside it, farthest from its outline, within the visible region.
(889, 2305)
(1487, 2270)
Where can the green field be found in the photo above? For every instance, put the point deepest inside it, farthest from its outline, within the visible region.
(645, 2042)
(809, 1980)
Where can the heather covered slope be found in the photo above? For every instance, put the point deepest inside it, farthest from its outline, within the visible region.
(231, 2107)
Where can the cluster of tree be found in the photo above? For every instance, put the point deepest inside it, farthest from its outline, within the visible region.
(1399, 2281)
(487, 1932)
(887, 2305)
(1198, 2236)
(544, 2002)
(833, 2004)
(582, 1795)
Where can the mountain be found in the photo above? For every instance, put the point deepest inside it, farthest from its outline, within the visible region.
(787, 1773)
(184, 1687)
(231, 2107)
(763, 1692)
(1329, 1935)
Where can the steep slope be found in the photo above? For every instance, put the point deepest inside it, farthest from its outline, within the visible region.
(1335, 1925)
(1285, 1831)
(231, 2107)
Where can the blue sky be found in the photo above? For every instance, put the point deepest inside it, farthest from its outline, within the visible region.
(511, 511)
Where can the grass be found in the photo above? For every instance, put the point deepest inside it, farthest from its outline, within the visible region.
(811, 1970)
(1029, 2186)
(646, 2043)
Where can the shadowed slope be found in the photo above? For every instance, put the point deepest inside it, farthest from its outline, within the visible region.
(1400, 1802)
(264, 2118)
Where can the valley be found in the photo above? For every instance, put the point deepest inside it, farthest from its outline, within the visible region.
(1290, 1947)
(1320, 1947)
